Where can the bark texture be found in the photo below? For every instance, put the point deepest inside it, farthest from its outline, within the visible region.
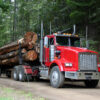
(9, 54)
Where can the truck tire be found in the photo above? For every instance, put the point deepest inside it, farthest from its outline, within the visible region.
(56, 77)
(21, 75)
(91, 83)
(15, 74)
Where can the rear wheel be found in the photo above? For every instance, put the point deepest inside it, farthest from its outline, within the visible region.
(21, 75)
(91, 83)
(56, 77)
(15, 74)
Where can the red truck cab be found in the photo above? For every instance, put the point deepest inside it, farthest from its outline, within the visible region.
(64, 58)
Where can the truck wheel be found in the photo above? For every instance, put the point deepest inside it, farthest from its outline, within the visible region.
(21, 75)
(15, 74)
(91, 83)
(56, 77)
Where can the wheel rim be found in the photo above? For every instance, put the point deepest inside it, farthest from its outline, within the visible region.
(15, 75)
(55, 77)
(20, 76)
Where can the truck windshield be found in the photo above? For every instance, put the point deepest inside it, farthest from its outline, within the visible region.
(67, 41)
(75, 42)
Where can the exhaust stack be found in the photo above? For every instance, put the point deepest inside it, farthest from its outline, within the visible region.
(41, 44)
(74, 29)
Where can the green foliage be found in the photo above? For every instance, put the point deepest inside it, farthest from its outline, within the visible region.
(16, 18)
(92, 45)
(77, 16)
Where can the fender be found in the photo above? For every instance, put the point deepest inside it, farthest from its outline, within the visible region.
(57, 62)
(99, 67)
(27, 69)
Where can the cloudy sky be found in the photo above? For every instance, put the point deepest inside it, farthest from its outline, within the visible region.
(12, 0)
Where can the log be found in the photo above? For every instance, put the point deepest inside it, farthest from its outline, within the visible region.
(28, 41)
(29, 56)
(30, 38)
(11, 47)
(11, 54)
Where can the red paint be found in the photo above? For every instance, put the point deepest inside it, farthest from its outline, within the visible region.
(99, 67)
(27, 69)
(68, 55)
(46, 52)
(35, 72)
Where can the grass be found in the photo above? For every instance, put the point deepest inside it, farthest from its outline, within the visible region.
(12, 94)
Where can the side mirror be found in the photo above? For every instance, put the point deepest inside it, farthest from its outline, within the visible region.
(46, 41)
(57, 52)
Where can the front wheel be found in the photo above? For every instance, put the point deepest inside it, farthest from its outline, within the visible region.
(91, 83)
(56, 77)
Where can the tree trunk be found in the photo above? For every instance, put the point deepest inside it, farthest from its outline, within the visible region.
(11, 54)
(28, 41)
(29, 56)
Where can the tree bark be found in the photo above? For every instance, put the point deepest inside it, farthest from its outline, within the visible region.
(28, 42)
(11, 54)
(29, 56)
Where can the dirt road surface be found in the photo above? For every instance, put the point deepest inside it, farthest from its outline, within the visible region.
(70, 91)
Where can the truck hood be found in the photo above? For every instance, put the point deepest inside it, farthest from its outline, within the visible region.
(71, 55)
(74, 49)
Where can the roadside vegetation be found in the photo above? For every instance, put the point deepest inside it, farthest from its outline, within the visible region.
(12, 94)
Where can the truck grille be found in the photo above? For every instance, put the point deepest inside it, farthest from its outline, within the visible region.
(88, 61)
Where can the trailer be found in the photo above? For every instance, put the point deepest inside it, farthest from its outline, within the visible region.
(61, 57)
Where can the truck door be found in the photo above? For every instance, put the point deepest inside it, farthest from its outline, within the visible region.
(48, 41)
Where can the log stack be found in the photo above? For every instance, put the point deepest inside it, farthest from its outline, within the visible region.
(9, 54)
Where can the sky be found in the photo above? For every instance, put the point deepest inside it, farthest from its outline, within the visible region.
(12, 0)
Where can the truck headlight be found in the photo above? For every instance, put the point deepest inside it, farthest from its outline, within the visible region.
(98, 65)
(68, 64)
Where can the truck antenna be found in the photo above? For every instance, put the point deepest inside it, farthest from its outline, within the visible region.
(50, 28)
(41, 43)
(74, 29)
(64, 30)
(87, 37)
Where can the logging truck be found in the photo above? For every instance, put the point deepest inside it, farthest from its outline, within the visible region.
(60, 57)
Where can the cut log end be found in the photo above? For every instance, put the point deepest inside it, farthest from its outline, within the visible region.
(9, 54)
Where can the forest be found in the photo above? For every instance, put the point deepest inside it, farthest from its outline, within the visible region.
(20, 16)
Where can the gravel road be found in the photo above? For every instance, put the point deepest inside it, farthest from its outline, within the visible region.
(70, 91)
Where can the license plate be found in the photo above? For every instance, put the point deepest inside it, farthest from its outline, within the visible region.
(88, 77)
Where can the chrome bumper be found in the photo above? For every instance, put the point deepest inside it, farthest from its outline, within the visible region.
(83, 75)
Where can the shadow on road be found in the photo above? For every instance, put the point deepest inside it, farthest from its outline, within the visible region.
(67, 84)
